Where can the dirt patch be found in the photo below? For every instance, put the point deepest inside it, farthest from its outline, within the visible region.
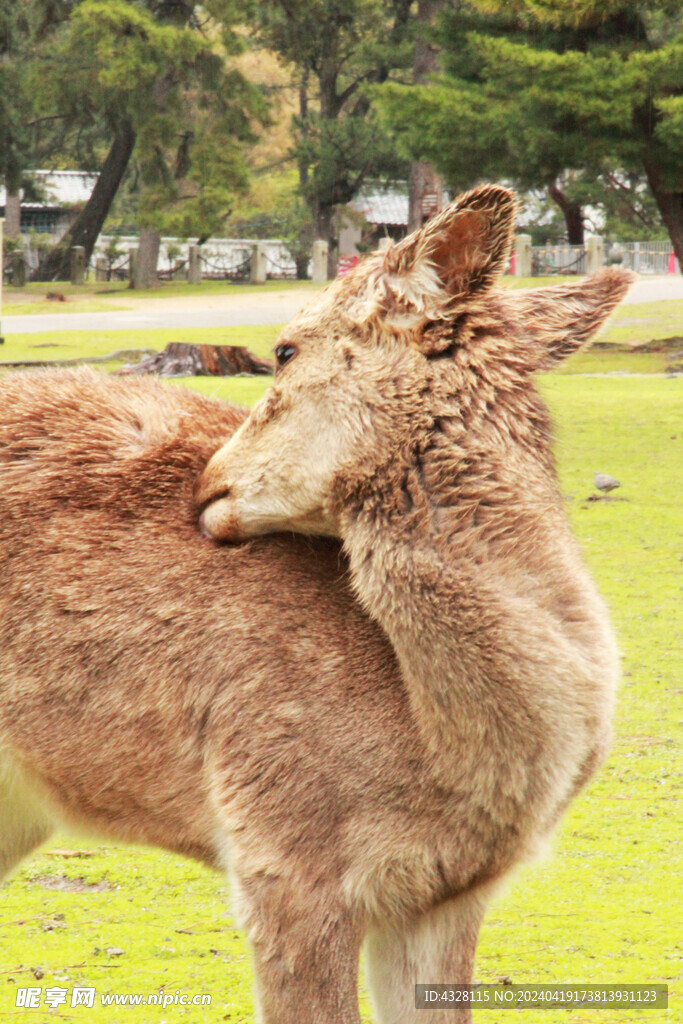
(62, 883)
(660, 344)
(653, 345)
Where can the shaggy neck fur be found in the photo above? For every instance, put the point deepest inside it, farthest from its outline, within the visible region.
(469, 576)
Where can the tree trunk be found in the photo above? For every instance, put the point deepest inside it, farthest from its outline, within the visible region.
(12, 215)
(424, 195)
(87, 226)
(324, 229)
(303, 257)
(183, 359)
(572, 213)
(425, 187)
(670, 206)
(302, 263)
(145, 270)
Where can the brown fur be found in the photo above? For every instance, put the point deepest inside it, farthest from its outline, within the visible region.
(234, 703)
(231, 703)
(409, 426)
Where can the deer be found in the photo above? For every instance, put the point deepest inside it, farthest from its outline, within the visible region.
(342, 648)
(405, 422)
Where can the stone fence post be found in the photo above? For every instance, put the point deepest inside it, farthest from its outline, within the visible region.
(595, 253)
(194, 265)
(523, 263)
(258, 270)
(101, 268)
(77, 264)
(320, 249)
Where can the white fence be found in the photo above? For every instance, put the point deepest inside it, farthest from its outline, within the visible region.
(643, 257)
(221, 258)
(646, 257)
(558, 259)
(232, 258)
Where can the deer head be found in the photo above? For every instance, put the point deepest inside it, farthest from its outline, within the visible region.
(408, 340)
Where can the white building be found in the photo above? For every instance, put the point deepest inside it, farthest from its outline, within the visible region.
(52, 203)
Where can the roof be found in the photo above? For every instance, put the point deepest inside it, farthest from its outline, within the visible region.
(382, 205)
(385, 204)
(61, 189)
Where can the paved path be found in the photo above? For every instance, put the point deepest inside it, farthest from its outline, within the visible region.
(174, 311)
(241, 309)
(656, 288)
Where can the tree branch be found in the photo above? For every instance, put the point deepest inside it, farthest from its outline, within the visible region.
(615, 185)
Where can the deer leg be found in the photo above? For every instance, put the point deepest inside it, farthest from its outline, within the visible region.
(436, 948)
(24, 822)
(306, 948)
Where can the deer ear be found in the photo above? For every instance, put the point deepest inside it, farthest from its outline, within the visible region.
(458, 253)
(555, 322)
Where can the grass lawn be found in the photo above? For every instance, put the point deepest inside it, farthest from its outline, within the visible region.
(644, 324)
(102, 296)
(77, 304)
(601, 908)
(56, 345)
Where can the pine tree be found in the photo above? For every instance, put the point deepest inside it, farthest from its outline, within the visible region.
(535, 88)
(151, 79)
(338, 48)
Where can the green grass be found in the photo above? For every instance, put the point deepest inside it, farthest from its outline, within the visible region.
(80, 344)
(643, 338)
(102, 296)
(76, 305)
(600, 360)
(168, 288)
(165, 917)
(536, 282)
(241, 390)
(632, 326)
(647, 320)
(54, 345)
(86, 298)
(602, 908)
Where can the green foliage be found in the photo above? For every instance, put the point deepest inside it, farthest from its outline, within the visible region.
(40, 135)
(75, 74)
(110, 57)
(353, 39)
(289, 220)
(338, 49)
(533, 89)
(341, 153)
(10, 245)
(16, 28)
(191, 113)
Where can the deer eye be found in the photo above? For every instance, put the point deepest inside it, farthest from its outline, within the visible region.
(283, 354)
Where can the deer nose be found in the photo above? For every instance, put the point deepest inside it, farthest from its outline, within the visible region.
(203, 528)
(219, 520)
(207, 491)
(205, 498)
(211, 485)
(215, 480)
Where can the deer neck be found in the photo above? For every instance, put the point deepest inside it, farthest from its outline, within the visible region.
(417, 567)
